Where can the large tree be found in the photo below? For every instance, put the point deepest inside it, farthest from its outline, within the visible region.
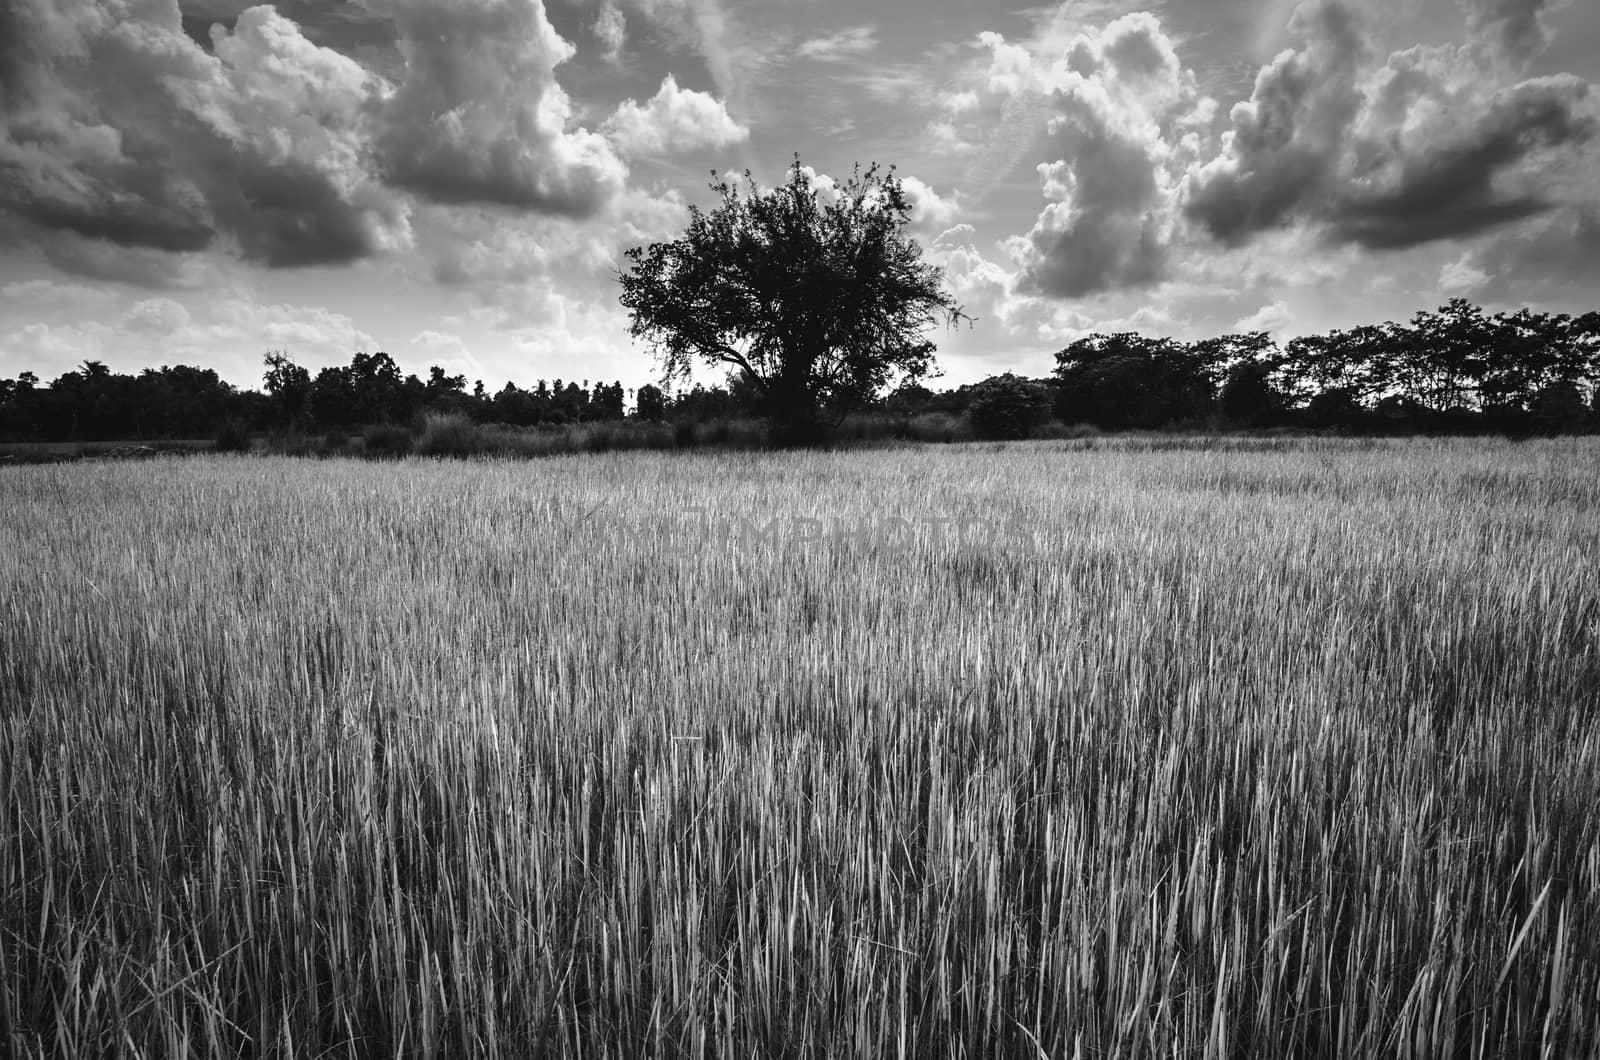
(817, 297)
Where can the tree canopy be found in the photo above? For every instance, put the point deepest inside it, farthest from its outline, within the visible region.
(816, 297)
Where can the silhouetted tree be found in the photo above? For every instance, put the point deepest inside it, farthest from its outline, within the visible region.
(1248, 396)
(819, 305)
(289, 386)
(650, 403)
(1127, 380)
(1008, 407)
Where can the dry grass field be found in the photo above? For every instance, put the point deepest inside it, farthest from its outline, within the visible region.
(1115, 749)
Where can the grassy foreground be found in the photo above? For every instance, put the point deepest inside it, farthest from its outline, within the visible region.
(1148, 752)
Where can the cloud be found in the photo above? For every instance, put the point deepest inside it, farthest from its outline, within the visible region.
(479, 116)
(1453, 178)
(448, 351)
(1513, 30)
(704, 25)
(117, 127)
(136, 266)
(1461, 276)
(289, 153)
(311, 334)
(844, 46)
(980, 285)
(673, 121)
(1287, 138)
(1272, 317)
(48, 350)
(930, 211)
(1121, 105)
(1560, 250)
(493, 255)
(156, 316)
(611, 29)
(1433, 143)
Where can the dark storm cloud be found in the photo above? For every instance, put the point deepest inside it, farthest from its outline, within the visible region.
(1430, 146)
(116, 126)
(1448, 189)
(1285, 142)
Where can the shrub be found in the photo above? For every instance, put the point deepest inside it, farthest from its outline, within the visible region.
(232, 438)
(1058, 431)
(939, 427)
(449, 434)
(1007, 407)
(386, 439)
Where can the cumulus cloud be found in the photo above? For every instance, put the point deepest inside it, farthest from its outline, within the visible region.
(479, 116)
(1286, 140)
(116, 126)
(1119, 135)
(1430, 143)
(930, 211)
(672, 121)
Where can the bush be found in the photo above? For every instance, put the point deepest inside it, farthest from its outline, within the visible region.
(1058, 431)
(1007, 407)
(449, 434)
(232, 438)
(386, 439)
(939, 427)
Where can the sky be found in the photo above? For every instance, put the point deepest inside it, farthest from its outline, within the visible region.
(455, 182)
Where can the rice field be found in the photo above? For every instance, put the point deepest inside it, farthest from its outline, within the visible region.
(1115, 749)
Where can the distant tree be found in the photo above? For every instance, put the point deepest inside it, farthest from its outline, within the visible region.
(1249, 397)
(367, 390)
(1008, 407)
(1559, 408)
(650, 403)
(606, 402)
(288, 384)
(909, 399)
(440, 386)
(1128, 380)
(1335, 409)
(820, 305)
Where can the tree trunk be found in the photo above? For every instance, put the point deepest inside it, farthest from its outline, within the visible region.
(794, 407)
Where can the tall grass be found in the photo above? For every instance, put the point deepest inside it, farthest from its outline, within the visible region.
(1289, 752)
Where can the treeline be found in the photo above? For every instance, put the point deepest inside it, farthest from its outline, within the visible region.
(1451, 371)
(1454, 370)
(96, 404)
